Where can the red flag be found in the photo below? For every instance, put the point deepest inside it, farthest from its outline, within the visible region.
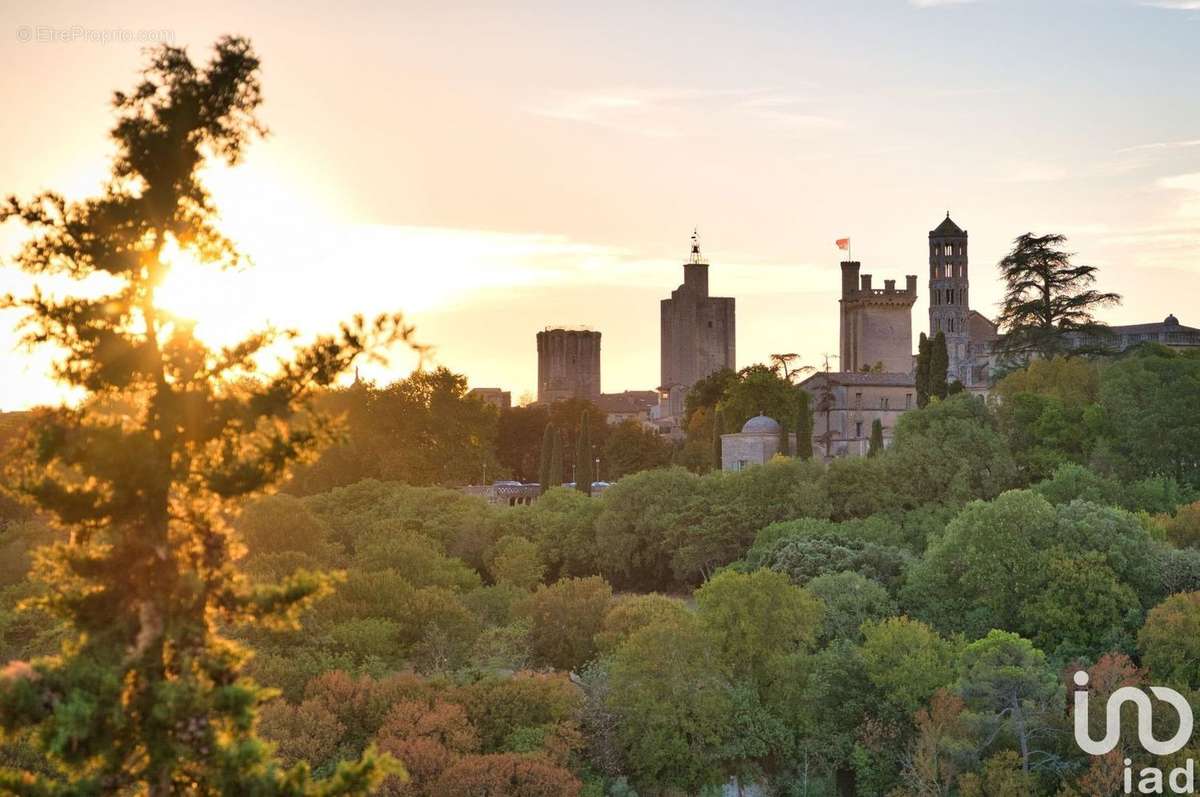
(843, 243)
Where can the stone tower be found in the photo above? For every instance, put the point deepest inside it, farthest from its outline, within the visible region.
(697, 334)
(949, 299)
(568, 364)
(876, 329)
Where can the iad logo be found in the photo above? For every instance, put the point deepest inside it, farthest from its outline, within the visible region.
(1150, 779)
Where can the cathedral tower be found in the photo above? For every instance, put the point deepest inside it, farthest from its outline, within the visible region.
(949, 300)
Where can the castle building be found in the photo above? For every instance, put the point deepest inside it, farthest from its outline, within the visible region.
(846, 404)
(697, 335)
(568, 364)
(876, 323)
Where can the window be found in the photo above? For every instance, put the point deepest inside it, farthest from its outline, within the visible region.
(949, 250)
(710, 325)
(883, 402)
(857, 400)
(858, 428)
(908, 401)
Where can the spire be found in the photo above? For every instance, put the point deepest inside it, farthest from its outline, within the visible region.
(695, 258)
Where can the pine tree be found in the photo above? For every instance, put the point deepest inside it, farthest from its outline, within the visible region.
(547, 452)
(804, 426)
(556, 461)
(922, 371)
(168, 439)
(1048, 299)
(876, 443)
(939, 364)
(718, 423)
(583, 456)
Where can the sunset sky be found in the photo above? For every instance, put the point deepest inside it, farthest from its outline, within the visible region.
(494, 168)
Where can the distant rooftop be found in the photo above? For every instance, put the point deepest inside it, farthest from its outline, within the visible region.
(877, 379)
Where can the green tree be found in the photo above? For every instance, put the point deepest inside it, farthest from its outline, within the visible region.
(1048, 299)
(923, 370)
(850, 599)
(515, 560)
(146, 696)
(939, 362)
(545, 466)
(583, 457)
(907, 661)
(758, 389)
(520, 434)
(566, 616)
(804, 426)
(717, 430)
(1008, 685)
(876, 443)
(556, 461)
(631, 448)
(1169, 641)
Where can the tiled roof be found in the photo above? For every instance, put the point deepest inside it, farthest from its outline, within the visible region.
(878, 379)
(947, 227)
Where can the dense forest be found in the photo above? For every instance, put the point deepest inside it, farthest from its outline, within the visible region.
(904, 624)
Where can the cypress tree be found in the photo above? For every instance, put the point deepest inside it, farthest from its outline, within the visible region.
(784, 443)
(716, 440)
(923, 371)
(939, 364)
(804, 426)
(547, 453)
(876, 444)
(556, 462)
(583, 456)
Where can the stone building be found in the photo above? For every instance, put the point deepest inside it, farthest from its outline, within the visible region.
(500, 399)
(1168, 332)
(697, 335)
(630, 405)
(876, 323)
(755, 444)
(568, 364)
(846, 404)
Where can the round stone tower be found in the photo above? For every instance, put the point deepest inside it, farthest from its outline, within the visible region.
(949, 299)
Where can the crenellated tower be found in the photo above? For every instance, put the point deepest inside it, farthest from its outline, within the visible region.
(949, 297)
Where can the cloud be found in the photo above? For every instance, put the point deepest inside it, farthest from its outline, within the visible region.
(667, 113)
(1189, 207)
(1174, 5)
(1161, 145)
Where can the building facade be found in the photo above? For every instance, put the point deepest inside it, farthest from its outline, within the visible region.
(876, 323)
(949, 294)
(846, 404)
(697, 334)
(568, 364)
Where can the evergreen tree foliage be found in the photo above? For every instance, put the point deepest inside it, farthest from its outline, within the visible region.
(583, 457)
(544, 465)
(923, 350)
(876, 444)
(1047, 299)
(167, 439)
(718, 422)
(939, 364)
(556, 461)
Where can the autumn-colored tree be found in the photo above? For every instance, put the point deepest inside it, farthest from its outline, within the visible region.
(168, 438)
(942, 743)
(429, 737)
(506, 775)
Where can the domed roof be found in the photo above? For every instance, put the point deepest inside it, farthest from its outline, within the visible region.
(761, 424)
(1171, 320)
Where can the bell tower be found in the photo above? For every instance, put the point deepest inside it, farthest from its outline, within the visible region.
(949, 298)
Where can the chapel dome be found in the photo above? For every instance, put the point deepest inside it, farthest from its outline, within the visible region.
(761, 424)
